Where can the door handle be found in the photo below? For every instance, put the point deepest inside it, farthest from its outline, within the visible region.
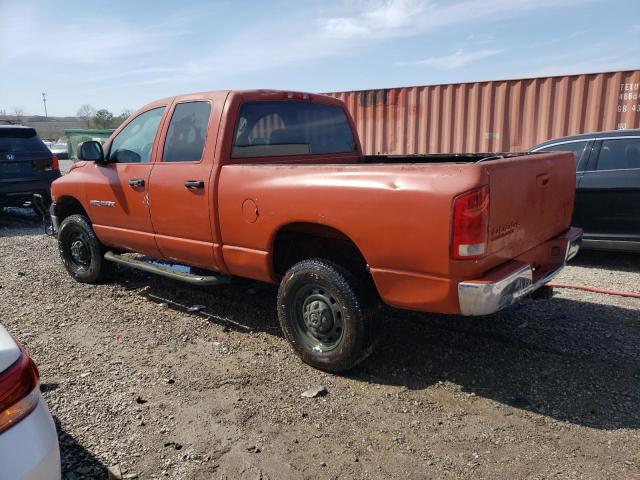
(191, 184)
(136, 182)
(543, 179)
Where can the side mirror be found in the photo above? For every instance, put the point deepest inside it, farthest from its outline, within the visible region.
(91, 151)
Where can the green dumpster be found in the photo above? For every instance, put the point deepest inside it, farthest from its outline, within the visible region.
(79, 135)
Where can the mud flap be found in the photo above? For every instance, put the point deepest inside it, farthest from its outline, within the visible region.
(40, 207)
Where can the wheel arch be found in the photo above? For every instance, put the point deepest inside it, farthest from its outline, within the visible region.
(297, 241)
(68, 205)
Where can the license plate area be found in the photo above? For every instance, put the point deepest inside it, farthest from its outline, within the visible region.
(10, 167)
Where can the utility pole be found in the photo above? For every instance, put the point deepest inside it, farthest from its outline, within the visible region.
(44, 100)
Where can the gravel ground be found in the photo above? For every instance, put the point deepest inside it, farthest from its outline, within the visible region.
(548, 389)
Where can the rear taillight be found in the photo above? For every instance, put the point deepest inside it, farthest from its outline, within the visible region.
(470, 224)
(18, 391)
(55, 162)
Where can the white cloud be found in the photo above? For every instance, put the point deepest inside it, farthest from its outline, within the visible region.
(458, 59)
(378, 19)
(359, 24)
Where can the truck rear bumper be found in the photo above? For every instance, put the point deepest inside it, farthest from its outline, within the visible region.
(508, 283)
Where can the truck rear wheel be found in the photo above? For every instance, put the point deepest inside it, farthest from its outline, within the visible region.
(81, 252)
(328, 315)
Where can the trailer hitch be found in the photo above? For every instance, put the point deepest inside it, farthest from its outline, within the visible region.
(40, 207)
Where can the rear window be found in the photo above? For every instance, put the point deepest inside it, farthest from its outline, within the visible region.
(291, 128)
(23, 140)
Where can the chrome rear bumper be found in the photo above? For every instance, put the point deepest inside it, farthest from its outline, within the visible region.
(481, 297)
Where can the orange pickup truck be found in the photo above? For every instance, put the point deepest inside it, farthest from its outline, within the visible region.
(273, 186)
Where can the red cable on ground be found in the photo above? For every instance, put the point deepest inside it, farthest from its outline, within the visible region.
(595, 290)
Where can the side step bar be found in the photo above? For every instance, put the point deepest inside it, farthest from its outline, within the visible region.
(167, 271)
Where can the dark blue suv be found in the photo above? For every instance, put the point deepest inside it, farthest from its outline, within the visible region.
(27, 166)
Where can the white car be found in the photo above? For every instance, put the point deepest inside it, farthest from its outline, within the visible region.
(28, 439)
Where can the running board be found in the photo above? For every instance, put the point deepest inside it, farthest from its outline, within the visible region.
(167, 271)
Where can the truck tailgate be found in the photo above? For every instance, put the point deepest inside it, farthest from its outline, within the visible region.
(531, 201)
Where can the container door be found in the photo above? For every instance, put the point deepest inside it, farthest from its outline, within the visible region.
(180, 191)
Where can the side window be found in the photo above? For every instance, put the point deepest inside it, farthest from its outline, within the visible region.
(575, 147)
(187, 132)
(135, 142)
(619, 154)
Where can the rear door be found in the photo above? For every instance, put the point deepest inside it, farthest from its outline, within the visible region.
(181, 193)
(610, 190)
(118, 195)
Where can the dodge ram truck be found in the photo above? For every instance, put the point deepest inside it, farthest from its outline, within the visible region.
(273, 186)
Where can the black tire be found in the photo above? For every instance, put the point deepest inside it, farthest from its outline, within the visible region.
(329, 315)
(81, 252)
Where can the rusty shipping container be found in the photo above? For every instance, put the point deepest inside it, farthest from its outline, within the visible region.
(494, 116)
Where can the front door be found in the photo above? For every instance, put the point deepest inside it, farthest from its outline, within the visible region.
(180, 192)
(117, 193)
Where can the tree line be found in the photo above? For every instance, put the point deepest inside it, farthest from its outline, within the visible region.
(102, 118)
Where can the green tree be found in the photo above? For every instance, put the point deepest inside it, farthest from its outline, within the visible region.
(126, 113)
(86, 112)
(103, 119)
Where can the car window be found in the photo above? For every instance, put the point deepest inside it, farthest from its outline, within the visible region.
(575, 147)
(619, 154)
(134, 143)
(291, 128)
(187, 132)
(23, 140)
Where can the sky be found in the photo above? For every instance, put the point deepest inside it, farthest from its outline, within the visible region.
(122, 54)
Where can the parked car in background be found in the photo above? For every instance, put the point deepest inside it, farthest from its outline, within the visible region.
(61, 148)
(48, 143)
(28, 439)
(273, 186)
(607, 205)
(27, 166)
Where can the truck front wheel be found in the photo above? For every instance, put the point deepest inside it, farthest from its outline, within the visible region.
(81, 251)
(329, 315)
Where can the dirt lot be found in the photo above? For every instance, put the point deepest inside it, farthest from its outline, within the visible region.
(549, 389)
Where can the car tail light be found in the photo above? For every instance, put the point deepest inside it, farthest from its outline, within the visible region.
(470, 224)
(18, 391)
(55, 162)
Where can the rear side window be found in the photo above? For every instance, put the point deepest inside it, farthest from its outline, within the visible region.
(135, 142)
(291, 128)
(620, 154)
(575, 147)
(21, 140)
(187, 132)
